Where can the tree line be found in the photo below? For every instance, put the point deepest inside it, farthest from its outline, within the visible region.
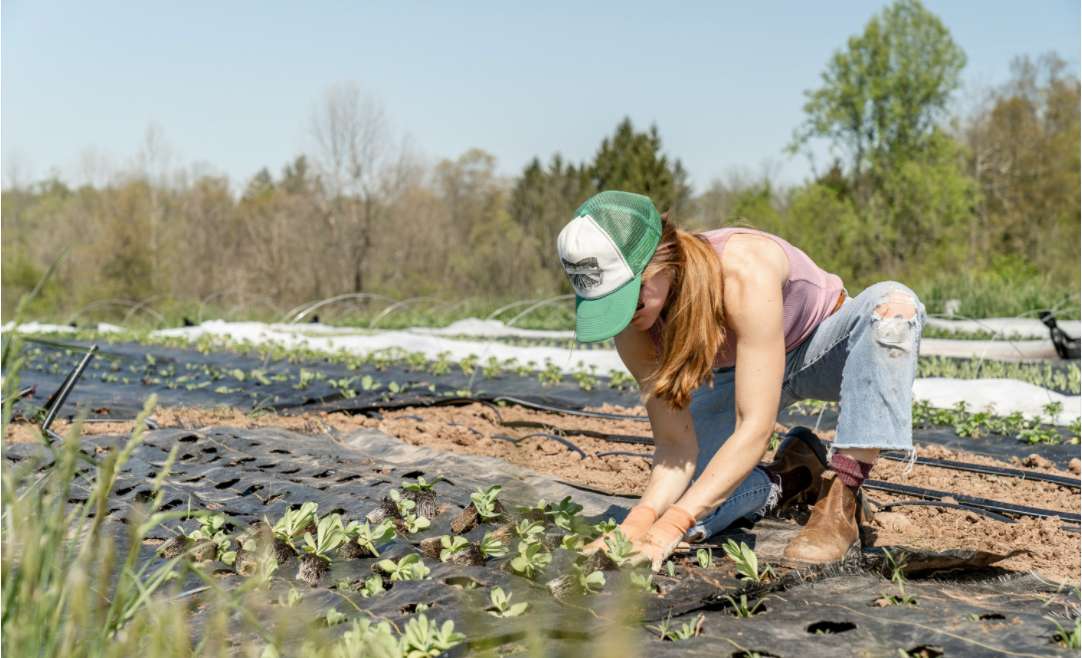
(984, 202)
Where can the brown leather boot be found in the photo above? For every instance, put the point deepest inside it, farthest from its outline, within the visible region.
(799, 462)
(833, 529)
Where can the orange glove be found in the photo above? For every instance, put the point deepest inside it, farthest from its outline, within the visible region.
(663, 536)
(635, 525)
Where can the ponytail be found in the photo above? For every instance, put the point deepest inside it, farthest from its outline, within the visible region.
(693, 320)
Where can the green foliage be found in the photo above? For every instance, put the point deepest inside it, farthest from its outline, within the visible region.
(330, 534)
(491, 546)
(294, 522)
(633, 161)
(618, 547)
(747, 562)
(368, 537)
(410, 567)
(588, 582)
(450, 546)
(484, 501)
(666, 630)
(212, 528)
(501, 605)
(741, 608)
(705, 558)
(531, 560)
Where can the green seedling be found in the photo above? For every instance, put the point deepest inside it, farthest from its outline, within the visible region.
(421, 484)
(484, 501)
(608, 525)
(501, 605)
(741, 608)
(410, 567)
(369, 384)
(705, 558)
(531, 560)
(666, 630)
(1067, 638)
(619, 548)
(422, 637)
(294, 522)
(642, 579)
(551, 375)
(373, 586)
(563, 513)
(450, 546)
(747, 562)
(897, 576)
(468, 364)
(333, 617)
(588, 582)
(212, 528)
(491, 546)
(572, 541)
(528, 530)
(330, 534)
(369, 538)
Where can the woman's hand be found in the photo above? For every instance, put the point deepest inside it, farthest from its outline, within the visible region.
(635, 525)
(658, 544)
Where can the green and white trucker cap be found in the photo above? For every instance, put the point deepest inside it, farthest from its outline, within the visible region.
(604, 251)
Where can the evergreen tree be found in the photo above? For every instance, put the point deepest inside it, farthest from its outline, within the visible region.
(633, 161)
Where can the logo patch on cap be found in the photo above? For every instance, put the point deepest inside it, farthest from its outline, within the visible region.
(584, 274)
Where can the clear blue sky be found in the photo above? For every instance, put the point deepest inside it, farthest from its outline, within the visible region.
(232, 84)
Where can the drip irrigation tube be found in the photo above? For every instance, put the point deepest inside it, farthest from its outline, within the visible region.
(625, 453)
(987, 470)
(570, 412)
(546, 435)
(971, 501)
(939, 503)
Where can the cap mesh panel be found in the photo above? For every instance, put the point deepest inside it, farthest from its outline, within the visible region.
(632, 222)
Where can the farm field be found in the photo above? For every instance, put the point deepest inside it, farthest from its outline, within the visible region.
(366, 500)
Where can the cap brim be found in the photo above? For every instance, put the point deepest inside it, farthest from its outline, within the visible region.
(602, 318)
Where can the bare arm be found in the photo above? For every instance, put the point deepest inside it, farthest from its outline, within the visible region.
(676, 447)
(753, 305)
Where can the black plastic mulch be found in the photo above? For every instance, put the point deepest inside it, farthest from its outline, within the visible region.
(120, 378)
(963, 606)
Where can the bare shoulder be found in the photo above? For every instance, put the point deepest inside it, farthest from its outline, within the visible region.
(748, 256)
(754, 271)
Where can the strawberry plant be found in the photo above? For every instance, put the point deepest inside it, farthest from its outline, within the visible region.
(491, 546)
(369, 538)
(330, 534)
(484, 501)
(450, 546)
(410, 567)
(531, 560)
(422, 637)
(501, 605)
(618, 547)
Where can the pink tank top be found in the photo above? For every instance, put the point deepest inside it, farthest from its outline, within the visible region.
(808, 296)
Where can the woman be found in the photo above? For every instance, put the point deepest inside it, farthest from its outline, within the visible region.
(720, 329)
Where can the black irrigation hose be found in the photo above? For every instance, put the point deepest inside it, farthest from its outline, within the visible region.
(554, 437)
(938, 503)
(570, 412)
(615, 438)
(971, 501)
(625, 453)
(1061, 480)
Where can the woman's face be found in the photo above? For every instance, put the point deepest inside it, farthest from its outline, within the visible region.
(651, 299)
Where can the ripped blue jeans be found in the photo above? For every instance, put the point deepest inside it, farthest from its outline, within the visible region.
(856, 357)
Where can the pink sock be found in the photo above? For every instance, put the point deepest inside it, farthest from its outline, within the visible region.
(850, 471)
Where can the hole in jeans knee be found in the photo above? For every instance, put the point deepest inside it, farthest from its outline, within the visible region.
(896, 304)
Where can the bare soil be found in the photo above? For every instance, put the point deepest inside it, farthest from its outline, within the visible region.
(1040, 545)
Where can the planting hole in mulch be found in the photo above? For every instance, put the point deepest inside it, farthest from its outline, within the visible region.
(924, 651)
(830, 627)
